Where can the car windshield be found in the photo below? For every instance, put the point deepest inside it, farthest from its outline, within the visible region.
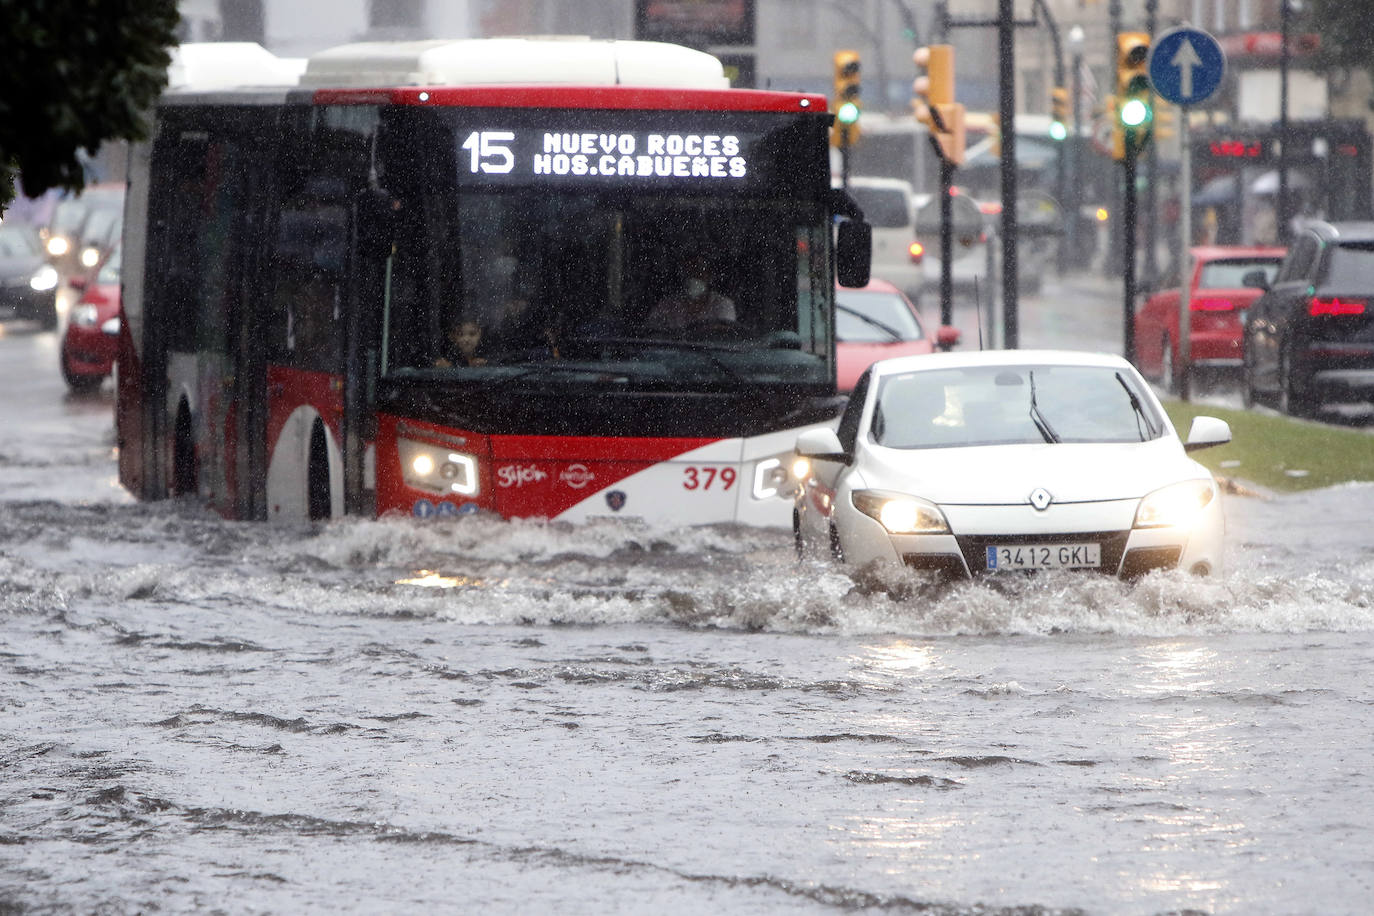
(17, 242)
(1230, 274)
(873, 316)
(1012, 405)
(1351, 267)
(109, 271)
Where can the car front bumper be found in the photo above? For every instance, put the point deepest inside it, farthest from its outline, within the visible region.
(1124, 551)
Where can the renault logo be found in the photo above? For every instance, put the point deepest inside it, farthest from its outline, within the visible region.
(1040, 498)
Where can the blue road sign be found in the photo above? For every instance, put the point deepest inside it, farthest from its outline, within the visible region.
(1186, 65)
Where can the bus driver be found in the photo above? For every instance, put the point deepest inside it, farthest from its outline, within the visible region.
(695, 305)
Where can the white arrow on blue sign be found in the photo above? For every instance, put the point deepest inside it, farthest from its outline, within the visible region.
(1186, 65)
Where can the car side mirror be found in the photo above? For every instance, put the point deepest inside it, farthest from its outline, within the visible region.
(854, 252)
(1207, 432)
(947, 337)
(1255, 278)
(821, 445)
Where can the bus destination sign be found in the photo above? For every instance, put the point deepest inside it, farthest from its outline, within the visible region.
(531, 154)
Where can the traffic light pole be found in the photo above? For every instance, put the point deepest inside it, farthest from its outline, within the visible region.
(1128, 199)
(946, 241)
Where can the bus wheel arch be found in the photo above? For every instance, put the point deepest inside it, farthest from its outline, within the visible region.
(305, 470)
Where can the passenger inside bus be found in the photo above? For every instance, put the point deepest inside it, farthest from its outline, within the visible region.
(462, 345)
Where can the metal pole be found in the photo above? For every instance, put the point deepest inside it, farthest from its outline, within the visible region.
(1128, 165)
(1006, 78)
(1151, 267)
(1075, 193)
(1185, 305)
(1113, 258)
(946, 243)
(1281, 210)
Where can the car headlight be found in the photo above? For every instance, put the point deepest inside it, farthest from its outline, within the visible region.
(436, 469)
(85, 316)
(44, 278)
(1175, 505)
(90, 256)
(111, 326)
(58, 246)
(900, 513)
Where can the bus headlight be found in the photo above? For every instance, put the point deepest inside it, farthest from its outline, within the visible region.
(1174, 505)
(770, 478)
(436, 469)
(901, 514)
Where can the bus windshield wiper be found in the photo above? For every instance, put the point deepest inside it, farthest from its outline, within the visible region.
(543, 371)
(1037, 417)
(1140, 414)
(873, 322)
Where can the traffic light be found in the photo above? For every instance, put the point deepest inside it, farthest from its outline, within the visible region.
(845, 132)
(934, 105)
(1134, 104)
(1059, 113)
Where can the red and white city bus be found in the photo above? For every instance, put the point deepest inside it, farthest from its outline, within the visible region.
(303, 257)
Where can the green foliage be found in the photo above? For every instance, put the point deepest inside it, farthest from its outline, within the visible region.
(1278, 452)
(74, 73)
(1346, 30)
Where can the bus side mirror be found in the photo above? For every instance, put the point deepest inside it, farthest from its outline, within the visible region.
(854, 252)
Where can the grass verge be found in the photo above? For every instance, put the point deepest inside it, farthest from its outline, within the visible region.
(1278, 452)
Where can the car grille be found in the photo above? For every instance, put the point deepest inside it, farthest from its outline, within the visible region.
(975, 547)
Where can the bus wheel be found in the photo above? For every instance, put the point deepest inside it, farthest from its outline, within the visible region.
(317, 475)
(183, 454)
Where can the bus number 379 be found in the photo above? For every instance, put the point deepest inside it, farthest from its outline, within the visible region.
(704, 478)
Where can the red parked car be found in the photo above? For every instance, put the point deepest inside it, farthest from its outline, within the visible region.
(878, 322)
(92, 336)
(1217, 303)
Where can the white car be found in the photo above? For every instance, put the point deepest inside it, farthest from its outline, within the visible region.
(967, 464)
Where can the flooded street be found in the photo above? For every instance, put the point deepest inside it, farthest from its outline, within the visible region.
(471, 715)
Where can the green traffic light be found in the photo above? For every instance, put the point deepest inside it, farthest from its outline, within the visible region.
(1135, 113)
(848, 113)
(1058, 131)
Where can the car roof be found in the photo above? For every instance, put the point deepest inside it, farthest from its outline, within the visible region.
(999, 358)
(1222, 252)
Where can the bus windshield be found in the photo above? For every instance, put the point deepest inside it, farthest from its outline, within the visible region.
(650, 281)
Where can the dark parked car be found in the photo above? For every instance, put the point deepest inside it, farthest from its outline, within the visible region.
(28, 283)
(1309, 339)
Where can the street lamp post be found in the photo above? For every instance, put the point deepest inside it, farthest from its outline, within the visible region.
(1074, 193)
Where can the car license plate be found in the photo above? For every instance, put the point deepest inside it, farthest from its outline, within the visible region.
(1044, 556)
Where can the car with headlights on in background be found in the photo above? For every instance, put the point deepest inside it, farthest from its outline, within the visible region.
(28, 283)
(91, 339)
(970, 464)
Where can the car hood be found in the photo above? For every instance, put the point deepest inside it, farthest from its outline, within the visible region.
(1000, 475)
(851, 359)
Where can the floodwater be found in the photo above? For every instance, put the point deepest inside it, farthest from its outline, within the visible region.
(478, 716)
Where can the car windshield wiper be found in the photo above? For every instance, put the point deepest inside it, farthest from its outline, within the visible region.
(1140, 414)
(873, 322)
(1037, 417)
